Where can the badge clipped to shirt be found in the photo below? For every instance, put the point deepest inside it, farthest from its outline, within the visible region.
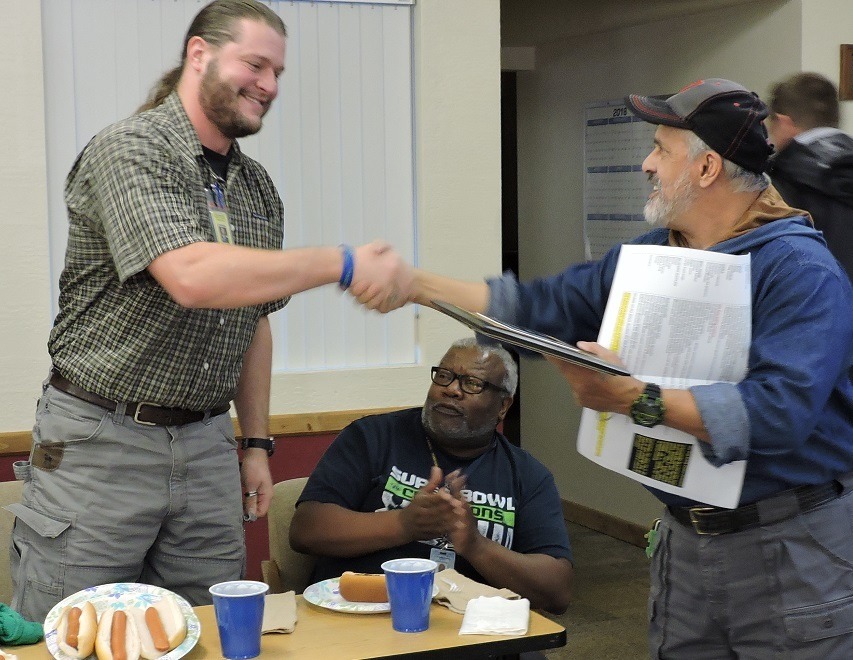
(218, 214)
(444, 557)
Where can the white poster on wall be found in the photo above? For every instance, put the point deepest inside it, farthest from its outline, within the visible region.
(615, 187)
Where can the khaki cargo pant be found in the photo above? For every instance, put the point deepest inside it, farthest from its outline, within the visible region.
(109, 500)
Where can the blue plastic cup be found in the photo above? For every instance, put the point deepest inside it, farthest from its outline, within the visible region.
(409, 592)
(239, 607)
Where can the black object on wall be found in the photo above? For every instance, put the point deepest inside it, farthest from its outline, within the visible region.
(509, 218)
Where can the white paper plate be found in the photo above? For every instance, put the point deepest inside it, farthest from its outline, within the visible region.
(121, 596)
(326, 594)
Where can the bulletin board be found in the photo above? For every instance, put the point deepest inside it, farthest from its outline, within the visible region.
(615, 187)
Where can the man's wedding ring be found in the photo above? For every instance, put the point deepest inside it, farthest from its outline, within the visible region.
(252, 493)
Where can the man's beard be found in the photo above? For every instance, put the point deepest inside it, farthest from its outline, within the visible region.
(462, 431)
(660, 212)
(219, 103)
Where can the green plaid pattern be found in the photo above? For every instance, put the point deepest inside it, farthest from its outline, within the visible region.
(137, 190)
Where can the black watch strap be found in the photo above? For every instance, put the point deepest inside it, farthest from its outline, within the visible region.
(259, 443)
(648, 409)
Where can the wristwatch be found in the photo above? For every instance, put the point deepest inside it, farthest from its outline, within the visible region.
(260, 443)
(648, 409)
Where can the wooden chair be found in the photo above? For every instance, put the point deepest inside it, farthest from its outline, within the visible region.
(10, 493)
(286, 569)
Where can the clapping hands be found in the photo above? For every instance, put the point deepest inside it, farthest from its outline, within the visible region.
(439, 510)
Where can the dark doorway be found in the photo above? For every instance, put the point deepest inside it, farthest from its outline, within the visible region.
(509, 218)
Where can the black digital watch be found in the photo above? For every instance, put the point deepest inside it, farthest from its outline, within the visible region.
(648, 409)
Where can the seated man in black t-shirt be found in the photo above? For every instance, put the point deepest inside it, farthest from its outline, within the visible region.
(440, 482)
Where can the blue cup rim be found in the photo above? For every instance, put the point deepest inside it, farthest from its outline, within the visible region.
(215, 590)
(429, 565)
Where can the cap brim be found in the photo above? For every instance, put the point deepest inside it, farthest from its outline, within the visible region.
(655, 110)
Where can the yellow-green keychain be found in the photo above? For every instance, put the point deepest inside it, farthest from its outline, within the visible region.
(653, 537)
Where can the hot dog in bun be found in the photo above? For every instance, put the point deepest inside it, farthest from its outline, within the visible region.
(76, 629)
(161, 627)
(118, 637)
(363, 587)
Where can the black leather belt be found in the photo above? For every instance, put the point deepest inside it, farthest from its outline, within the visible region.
(147, 414)
(711, 520)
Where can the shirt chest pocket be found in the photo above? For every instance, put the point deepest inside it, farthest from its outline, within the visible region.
(254, 223)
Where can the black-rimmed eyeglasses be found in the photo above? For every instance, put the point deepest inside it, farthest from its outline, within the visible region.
(468, 384)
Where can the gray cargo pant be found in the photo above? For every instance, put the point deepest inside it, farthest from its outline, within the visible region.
(109, 500)
(781, 590)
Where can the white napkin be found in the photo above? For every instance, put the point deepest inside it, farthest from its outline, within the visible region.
(496, 616)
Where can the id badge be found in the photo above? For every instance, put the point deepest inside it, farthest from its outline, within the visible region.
(219, 215)
(443, 557)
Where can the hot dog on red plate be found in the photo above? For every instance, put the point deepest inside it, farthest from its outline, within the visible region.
(118, 637)
(161, 627)
(76, 629)
(363, 587)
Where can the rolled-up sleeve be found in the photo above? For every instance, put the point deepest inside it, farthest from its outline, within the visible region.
(726, 420)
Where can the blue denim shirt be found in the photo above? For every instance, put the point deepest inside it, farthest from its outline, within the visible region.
(791, 417)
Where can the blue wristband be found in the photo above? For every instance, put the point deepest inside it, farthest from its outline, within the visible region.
(348, 269)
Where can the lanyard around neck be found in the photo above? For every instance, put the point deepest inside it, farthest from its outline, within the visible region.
(469, 469)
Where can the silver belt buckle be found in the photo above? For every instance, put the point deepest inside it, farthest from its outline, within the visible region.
(694, 519)
(139, 408)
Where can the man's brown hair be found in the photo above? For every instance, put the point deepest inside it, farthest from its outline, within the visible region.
(216, 23)
(809, 99)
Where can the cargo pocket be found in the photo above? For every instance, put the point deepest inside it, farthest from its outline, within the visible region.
(809, 624)
(37, 560)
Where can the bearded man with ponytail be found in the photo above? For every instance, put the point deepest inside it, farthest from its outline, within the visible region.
(174, 262)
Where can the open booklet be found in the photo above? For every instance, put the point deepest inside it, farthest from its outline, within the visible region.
(528, 339)
(679, 318)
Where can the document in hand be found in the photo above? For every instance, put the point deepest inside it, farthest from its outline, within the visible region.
(528, 339)
(679, 318)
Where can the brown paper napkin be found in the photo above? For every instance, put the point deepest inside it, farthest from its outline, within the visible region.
(455, 590)
(279, 613)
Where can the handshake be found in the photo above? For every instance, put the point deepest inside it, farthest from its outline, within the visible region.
(377, 276)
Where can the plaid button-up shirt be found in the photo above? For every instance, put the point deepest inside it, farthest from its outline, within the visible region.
(136, 191)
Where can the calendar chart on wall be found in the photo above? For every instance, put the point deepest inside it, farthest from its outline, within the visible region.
(615, 187)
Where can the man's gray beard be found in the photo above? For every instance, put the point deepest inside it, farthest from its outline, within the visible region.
(660, 212)
(462, 432)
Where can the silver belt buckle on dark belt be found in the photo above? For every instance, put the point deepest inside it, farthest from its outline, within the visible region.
(139, 409)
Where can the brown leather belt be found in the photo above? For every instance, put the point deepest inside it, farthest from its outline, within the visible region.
(147, 414)
(710, 520)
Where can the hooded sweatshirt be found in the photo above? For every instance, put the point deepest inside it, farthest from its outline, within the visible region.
(790, 417)
(815, 173)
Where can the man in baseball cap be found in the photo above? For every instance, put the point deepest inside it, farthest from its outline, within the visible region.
(772, 577)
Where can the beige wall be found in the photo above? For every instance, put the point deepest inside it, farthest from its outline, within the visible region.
(24, 266)
(826, 25)
(457, 112)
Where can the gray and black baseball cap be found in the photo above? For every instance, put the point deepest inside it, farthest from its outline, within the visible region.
(727, 116)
